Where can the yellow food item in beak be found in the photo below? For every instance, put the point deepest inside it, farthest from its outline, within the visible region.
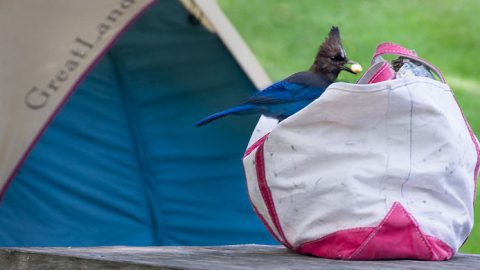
(356, 68)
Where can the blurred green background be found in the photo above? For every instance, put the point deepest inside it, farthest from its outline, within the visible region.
(285, 35)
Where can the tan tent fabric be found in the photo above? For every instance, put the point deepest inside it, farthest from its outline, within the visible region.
(49, 45)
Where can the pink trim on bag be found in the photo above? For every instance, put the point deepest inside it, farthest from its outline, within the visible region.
(392, 48)
(262, 219)
(255, 145)
(395, 228)
(397, 236)
(338, 245)
(269, 229)
(66, 97)
(441, 251)
(267, 195)
(383, 74)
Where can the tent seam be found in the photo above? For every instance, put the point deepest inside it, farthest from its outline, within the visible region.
(141, 159)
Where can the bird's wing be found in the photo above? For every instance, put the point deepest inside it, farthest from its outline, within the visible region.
(283, 91)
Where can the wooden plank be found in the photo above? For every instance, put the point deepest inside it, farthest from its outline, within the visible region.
(217, 257)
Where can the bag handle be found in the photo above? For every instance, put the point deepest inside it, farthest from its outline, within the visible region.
(395, 49)
(378, 72)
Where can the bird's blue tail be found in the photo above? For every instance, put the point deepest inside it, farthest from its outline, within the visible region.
(242, 109)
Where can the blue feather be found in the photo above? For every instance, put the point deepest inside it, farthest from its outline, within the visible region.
(279, 100)
(241, 109)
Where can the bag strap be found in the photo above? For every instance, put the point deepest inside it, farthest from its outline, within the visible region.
(391, 48)
(395, 49)
(378, 72)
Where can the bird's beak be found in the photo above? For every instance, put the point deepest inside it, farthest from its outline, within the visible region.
(352, 67)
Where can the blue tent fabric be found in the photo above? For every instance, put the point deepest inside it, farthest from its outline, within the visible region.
(123, 164)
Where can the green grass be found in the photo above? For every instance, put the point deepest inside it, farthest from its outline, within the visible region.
(285, 35)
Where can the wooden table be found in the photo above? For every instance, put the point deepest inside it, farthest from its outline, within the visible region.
(217, 257)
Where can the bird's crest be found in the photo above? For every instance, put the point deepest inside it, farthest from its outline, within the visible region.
(331, 56)
(332, 45)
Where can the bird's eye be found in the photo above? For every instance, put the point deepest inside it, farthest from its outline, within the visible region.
(337, 58)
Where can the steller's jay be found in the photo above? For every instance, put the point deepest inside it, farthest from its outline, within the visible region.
(286, 97)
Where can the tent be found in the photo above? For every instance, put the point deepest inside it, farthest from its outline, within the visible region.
(97, 142)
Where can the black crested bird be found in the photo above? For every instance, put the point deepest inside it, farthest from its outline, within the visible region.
(286, 97)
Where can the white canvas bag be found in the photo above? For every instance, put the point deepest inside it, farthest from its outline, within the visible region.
(369, 171)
